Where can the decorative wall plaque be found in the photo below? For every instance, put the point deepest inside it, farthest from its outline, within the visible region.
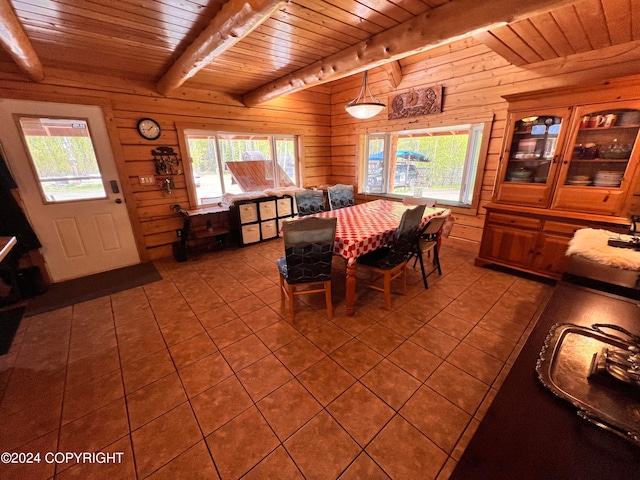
(425, 101)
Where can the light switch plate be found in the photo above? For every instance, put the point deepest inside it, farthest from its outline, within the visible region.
(147, 180)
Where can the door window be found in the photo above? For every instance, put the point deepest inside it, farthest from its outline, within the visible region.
(63, 158)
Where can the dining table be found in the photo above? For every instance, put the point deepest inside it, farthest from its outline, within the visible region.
(363, 228)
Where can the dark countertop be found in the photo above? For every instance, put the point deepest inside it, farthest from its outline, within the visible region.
(528, 432)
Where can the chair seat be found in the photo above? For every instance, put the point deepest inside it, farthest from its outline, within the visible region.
(391, 261)
(308, 249)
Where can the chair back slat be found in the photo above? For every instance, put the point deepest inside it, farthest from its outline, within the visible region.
(309, 245)
(435, 223)
(309, 202)
(400, 248)
(341, 196)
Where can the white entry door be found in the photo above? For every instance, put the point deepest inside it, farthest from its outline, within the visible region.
(61, 158)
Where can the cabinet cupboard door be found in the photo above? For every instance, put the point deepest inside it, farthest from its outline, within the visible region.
(508, 245)
(551, 255)
(528, 165)
(600, 159)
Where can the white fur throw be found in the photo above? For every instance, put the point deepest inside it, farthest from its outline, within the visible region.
(592, 244)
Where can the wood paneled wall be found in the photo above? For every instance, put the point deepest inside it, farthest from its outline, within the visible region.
(474, 79)
(155, 224)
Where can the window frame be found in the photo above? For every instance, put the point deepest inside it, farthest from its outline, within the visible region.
(223, 129)
(483, 123)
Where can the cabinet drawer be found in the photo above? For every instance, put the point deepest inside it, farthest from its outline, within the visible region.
(250, 233)
(267, 210)
(284, 207)
(269, 229)
(515, 220)
(561, 228)
(248, 212)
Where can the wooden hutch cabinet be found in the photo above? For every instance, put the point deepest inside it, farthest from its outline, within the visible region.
(569, 161)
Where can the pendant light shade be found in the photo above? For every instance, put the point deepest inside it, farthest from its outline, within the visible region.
(365, 105)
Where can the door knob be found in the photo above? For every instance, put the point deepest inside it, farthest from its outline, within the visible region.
(118, 200)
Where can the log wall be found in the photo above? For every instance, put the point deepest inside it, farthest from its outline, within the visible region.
(305, 113)
(474, 79)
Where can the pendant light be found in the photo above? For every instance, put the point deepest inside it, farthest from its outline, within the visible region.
(365, 105)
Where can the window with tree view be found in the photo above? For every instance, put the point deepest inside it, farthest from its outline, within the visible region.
(438, 163)
(63, 158)
(240, 162)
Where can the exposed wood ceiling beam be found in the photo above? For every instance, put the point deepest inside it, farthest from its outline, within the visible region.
(17, 44)
(436, 27)
(236, 20)
(394, 70)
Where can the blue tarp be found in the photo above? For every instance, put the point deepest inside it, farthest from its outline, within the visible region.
(405, 154)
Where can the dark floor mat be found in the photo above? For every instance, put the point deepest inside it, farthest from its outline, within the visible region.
(82, 289)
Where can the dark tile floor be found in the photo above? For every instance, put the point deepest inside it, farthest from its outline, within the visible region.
(200, 375)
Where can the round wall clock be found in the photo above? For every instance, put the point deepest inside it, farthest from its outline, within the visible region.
(148, 128)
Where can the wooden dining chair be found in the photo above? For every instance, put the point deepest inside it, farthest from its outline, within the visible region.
(308, 246)
(309, 202)
(341, 196)
(428, 241)
(391, 261)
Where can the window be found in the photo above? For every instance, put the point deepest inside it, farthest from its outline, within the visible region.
(239, 162)
(63, 158)
(439, 163)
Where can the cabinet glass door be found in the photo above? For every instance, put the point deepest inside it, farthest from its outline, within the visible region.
(599, 161)
(528, 165)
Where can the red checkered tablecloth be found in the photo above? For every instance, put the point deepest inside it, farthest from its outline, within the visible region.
(368, 226)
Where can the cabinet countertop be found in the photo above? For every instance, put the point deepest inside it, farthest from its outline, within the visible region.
(528, 432)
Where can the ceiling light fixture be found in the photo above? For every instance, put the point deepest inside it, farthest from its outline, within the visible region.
(365, 105)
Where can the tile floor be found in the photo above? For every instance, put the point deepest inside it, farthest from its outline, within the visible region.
(199, 376)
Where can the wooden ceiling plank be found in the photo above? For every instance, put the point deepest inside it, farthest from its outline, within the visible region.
(318, 24)
(343, 13)
(548, 27)
(617, 14)
(436, 27)
(274, 47)
(510, 38)
(15, 41)
(572, 29)
(635, 19)
(236, 20)
(415, 7)
(390, 10)
(308, 32)
(352, 24)
(594, 23)
(496, 45)
(178, 10)
(526, 30)
(153, 34)
(102, 19)
(364, 12)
